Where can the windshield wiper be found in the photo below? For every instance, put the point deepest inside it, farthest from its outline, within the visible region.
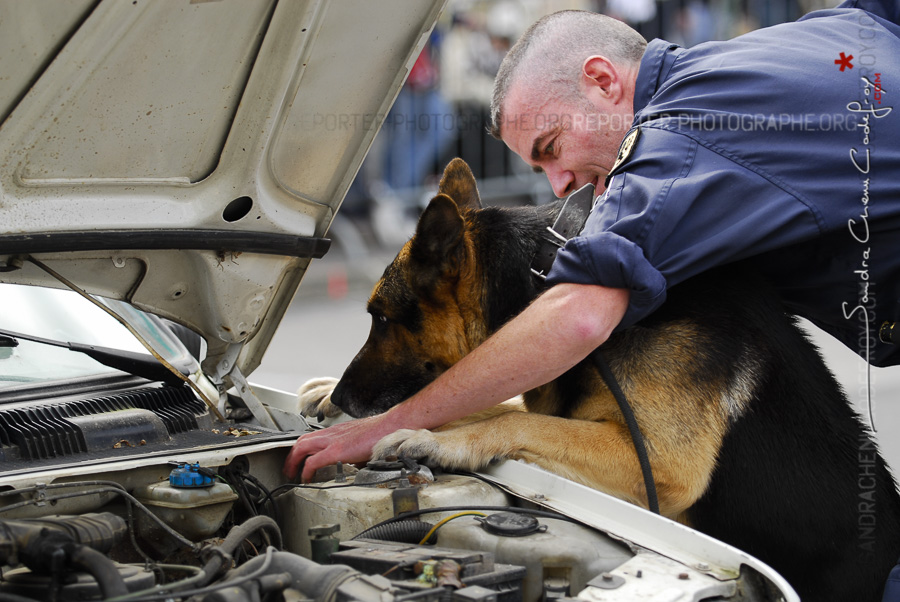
(138, 364)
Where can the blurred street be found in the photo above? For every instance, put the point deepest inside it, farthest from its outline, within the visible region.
(327, 322)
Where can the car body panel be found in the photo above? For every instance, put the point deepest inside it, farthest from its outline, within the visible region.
(246, 119)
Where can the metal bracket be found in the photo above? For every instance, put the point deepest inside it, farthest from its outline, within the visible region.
(569, 222)
(227, 372)
(253, 403)
(555, 239)
(11, 264)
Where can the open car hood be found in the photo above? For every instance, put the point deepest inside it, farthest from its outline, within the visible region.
(188, 156)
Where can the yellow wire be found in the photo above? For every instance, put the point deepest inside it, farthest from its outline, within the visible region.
(443, 521)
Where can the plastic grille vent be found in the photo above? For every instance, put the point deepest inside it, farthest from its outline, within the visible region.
(44, 432)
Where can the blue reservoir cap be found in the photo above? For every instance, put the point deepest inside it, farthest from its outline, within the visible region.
(189, 475)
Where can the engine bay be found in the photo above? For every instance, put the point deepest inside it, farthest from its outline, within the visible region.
(224, 533)
(138, 494)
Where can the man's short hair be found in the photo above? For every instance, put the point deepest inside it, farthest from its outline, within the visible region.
(551, 53)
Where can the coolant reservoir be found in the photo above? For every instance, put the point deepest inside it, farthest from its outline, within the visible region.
(188, 501)
(357, 507)
(558, 555)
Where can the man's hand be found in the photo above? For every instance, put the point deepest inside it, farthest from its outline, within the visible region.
(348, 442)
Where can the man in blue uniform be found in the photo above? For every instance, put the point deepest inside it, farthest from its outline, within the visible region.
(768, 146)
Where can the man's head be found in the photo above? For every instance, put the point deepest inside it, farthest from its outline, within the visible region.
(564, 96)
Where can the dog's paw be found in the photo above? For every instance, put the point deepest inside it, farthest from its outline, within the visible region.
(314, 398)
(432, 449)
(420, 443)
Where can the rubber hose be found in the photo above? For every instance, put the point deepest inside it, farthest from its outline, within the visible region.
(239, 533)
(404, 531)
(313, 580)
(235, 536)
(100, 568)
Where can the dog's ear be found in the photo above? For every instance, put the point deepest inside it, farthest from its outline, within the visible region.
(439, 233)
(458, 183)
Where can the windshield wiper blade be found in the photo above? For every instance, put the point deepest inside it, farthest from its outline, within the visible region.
(138, 364)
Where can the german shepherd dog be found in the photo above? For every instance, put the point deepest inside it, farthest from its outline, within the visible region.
(750, 438)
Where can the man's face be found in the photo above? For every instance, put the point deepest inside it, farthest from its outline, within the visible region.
(573, 141)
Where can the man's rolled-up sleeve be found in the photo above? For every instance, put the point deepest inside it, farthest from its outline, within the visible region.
(621, 265)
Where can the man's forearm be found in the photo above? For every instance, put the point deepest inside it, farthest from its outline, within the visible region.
(555, 332)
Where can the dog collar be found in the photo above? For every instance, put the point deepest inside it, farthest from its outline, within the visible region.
(569, 222)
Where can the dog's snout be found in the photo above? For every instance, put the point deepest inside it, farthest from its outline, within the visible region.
(340, 398)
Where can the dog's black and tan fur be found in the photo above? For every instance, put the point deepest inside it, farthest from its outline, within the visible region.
(750, 437)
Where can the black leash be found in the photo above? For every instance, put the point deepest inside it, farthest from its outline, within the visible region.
(636, 437)
(569, 222)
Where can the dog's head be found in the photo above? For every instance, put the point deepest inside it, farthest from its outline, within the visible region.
(426, 308)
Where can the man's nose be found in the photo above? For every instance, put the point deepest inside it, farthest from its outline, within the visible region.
(562, 181)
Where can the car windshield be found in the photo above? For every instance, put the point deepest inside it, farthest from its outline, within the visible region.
(65, 316)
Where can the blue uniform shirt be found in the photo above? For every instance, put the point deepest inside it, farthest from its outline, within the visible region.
(763, 147)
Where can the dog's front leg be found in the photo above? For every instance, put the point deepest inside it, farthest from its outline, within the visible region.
(443, 447)
(516, 404)
(596, 454)
(314, 398)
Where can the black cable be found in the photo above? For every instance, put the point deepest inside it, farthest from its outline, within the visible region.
(99, 487)
(263, 498)
(405, 531)
(159, 594)
(234, 476)
(271, 495)
(633, 428)
(411, 513)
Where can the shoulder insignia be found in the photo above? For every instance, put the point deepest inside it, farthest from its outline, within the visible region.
(625, 150)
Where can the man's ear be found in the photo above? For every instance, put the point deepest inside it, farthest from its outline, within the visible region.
(601, 77)
(458, 183)
(439, 234)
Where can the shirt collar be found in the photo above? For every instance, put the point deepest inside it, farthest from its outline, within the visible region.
(655, 65)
